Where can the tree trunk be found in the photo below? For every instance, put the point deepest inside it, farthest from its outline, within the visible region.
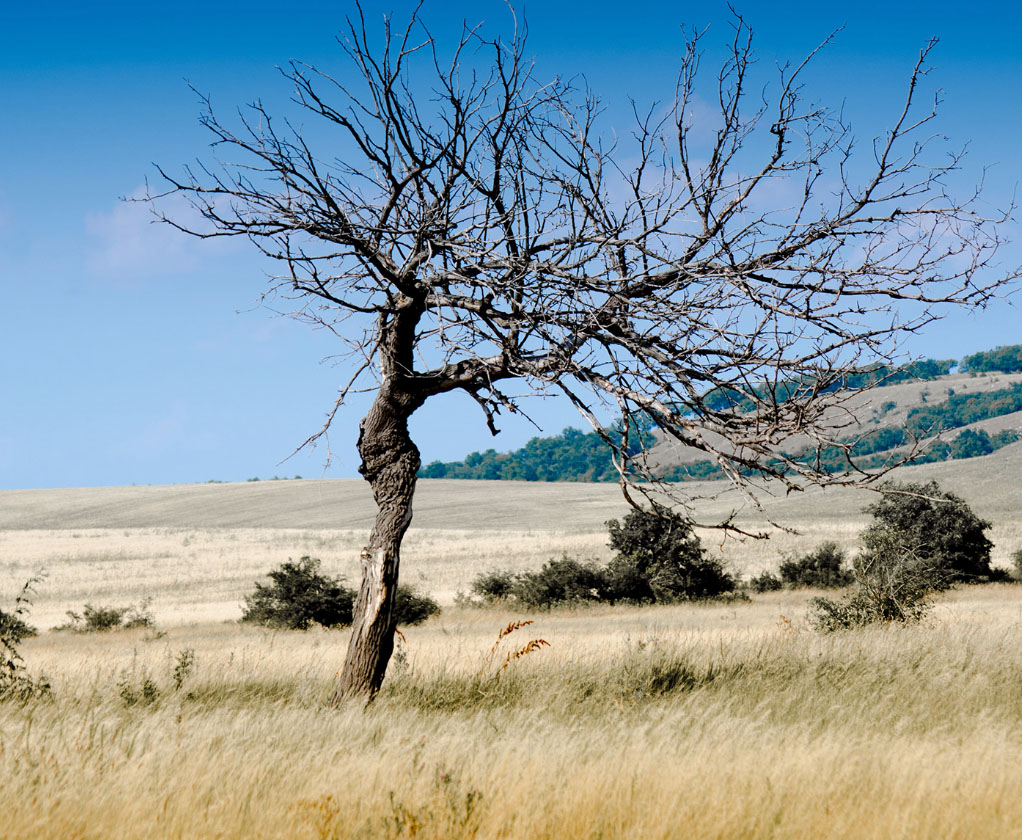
(390, 463)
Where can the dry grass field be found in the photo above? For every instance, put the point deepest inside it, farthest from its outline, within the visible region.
(683, 721)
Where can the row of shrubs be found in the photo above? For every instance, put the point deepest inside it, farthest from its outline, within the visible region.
(659, 560)
(922, 540)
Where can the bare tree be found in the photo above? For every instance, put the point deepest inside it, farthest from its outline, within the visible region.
(459, 224)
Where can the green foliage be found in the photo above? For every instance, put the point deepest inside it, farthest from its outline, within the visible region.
(659, 558)
(937, 527)
(413, 608)
(570, 456)
(922, 540)
(765, 582)
(999, 360)
(823, 568)
(495, 585)
(15, 683)
(964, 409)
(101, 619)
(298, 597)
(563, 581)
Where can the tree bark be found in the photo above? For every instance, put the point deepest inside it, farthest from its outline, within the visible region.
(390, 463)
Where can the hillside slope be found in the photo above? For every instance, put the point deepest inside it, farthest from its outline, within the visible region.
(989, 484)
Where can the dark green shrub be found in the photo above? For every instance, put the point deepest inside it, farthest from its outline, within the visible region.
(100, 619)
(822, 568)
(924, 526)
(659, 558)
(298, 597)
(413, 608)
(921, 541)
(765, 582)
(14, 628)
(15, 683)
(494, 586)
(561, 581)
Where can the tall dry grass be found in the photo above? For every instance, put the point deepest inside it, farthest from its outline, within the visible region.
(707, 721)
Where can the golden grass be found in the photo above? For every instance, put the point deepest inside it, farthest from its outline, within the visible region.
(681, 721)
(707, 721)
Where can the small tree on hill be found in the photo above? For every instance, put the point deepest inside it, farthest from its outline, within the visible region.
(462, 225)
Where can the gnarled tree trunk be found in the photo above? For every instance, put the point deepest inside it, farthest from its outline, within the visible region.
(390, 463)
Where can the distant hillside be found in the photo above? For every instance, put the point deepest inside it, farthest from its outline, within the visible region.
(978, 410)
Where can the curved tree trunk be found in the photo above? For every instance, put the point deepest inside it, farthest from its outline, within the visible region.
(390, 463)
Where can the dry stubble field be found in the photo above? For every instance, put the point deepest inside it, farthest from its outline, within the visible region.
(682, 721)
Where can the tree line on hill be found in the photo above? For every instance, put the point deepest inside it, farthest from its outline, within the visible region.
(579, 456)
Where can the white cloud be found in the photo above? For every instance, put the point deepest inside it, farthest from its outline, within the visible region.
(129, 242)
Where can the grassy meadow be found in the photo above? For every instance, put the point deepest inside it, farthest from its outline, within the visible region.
(695, 720)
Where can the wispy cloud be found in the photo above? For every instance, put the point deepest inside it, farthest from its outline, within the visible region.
(129, 243)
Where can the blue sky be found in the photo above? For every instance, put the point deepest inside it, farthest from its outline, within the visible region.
(132, 354)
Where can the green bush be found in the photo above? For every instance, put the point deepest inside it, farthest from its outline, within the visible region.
(660, 559)
(413, 608)
(561, 581)
(822, 568)
(922, 541)
(15, 683)
(100, 619)
(1016, 563)
(496, 585)
(298, 597)
(934, 528)
(765, 582)
(14, 628)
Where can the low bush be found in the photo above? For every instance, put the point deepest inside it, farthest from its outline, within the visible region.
(659, 560)
(922, 541)
(100, 619)
(1016, 564)
(300, 596)
(823, 568)
(15, 683)
(561, 581)
(765, 582)
(412, 608)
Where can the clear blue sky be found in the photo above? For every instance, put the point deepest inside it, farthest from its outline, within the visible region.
(131, 354)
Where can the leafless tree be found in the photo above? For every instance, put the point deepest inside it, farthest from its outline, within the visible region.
(460, 224)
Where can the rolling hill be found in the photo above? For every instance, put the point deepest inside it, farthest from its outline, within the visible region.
(976, 407)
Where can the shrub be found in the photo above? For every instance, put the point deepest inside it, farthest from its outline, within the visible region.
(822, 568)
(560, 582)
(494, 586)
(916, 546)
(301, 596)
(298, 597)
(100, 619)
(765, 582)
(14, 628)
(413, 608)
(929, 529)
(14, 682)
(1016, 563)
(659, 558)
